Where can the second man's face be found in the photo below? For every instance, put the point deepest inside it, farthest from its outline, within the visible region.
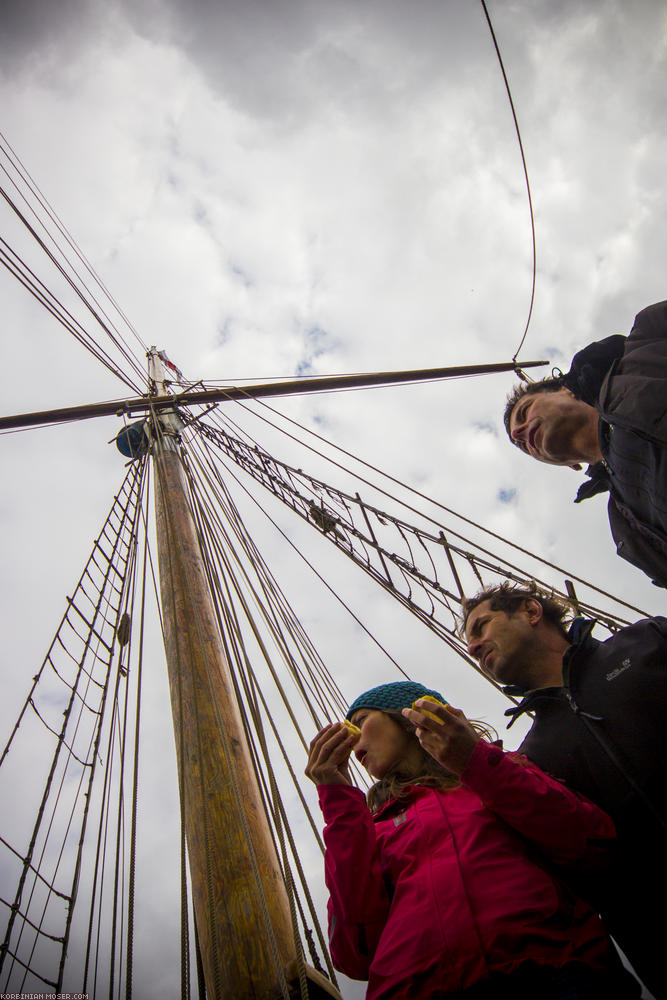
(501, 643)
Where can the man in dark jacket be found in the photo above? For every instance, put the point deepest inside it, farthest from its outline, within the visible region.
(610, 410)
(600, 722)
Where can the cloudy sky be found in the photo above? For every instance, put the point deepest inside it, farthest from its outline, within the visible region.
(273, 189)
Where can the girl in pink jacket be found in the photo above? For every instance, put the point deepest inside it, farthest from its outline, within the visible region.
(442, 880)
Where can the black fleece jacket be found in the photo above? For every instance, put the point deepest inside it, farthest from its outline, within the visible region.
(625, 379)
(604, 734)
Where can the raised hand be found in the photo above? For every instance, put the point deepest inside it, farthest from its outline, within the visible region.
(329, 755)
(448, 737)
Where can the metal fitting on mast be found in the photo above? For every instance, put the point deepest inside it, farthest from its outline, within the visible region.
(168, 420)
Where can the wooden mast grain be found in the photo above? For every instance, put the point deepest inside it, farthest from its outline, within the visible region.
(240, 902)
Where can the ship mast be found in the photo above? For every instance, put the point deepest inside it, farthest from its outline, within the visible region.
(241, 906)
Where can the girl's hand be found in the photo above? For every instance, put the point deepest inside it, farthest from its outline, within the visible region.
(329, 755)
(450, 741)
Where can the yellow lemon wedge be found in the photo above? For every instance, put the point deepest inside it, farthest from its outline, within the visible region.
(431, 715)
(353, 729)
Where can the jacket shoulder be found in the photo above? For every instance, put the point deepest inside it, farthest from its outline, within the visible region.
(650, 322)
(654, 627)
(633, 392)
(591, 365)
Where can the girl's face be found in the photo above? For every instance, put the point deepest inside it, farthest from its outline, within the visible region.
(384, 746)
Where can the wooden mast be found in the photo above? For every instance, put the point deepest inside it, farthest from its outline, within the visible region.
(240, 902)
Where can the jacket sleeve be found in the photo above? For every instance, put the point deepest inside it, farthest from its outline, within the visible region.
(358, 898)
(567, 827)
(660, 625)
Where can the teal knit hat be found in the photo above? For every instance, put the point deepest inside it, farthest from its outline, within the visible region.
(391, 697)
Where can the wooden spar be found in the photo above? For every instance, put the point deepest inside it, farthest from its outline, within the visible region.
(140, 404)
(240, 902)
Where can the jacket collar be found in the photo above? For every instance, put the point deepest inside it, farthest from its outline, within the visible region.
(400, 804)
(598, 482)
(581, 641)
(585, 378)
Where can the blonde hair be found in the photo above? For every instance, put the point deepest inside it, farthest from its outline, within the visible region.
(431, 774)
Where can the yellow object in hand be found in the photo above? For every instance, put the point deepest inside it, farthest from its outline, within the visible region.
(353, 729)
(424, 711)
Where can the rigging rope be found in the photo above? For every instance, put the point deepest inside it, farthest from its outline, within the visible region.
(76, 670)
(525, 174)
(17, 267)
(14, 263)
(411, 489)
(135, 766)
(332, 512)
(219, 569)
(23, 172)
(220, 500)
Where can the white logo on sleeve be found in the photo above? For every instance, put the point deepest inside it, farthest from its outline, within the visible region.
(613, 674)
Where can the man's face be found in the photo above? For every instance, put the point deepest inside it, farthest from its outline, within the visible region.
(503, 645)
(546, 425)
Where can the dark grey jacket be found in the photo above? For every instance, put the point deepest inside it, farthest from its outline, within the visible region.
(625, 379)
(604, 733)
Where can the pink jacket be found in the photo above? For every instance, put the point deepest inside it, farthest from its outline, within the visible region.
(438, 891)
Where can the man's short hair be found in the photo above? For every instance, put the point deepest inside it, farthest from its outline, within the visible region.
(509, 597)
(528, 389)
